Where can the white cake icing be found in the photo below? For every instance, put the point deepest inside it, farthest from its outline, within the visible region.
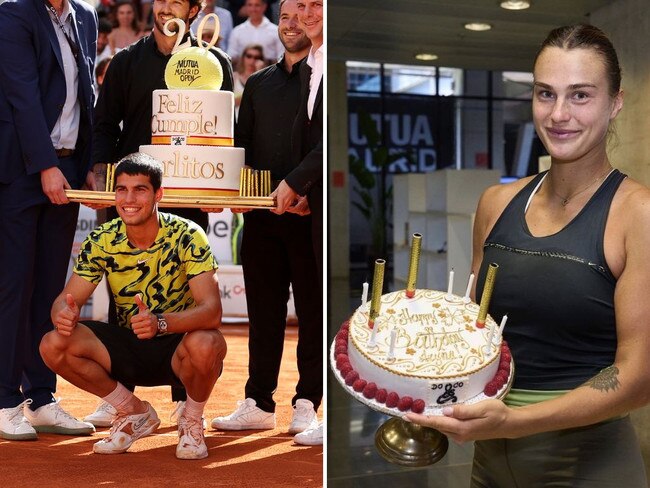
(440, 356)
(199, 170)
(192, 136)
(206, 115)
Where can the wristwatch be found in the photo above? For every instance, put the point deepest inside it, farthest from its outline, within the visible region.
(162, 324)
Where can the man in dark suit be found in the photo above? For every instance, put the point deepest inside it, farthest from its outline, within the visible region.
(307, 148)
(47, 53)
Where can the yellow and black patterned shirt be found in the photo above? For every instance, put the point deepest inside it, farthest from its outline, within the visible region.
(161, 273)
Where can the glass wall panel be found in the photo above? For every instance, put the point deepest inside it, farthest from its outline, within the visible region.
(412, 80)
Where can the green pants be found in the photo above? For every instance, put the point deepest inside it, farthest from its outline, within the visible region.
(604, 455)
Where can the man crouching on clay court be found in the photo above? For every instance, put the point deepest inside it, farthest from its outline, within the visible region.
(161, 273)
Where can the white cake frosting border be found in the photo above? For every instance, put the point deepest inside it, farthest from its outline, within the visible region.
(395, 412)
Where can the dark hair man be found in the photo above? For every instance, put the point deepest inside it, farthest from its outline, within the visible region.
(277, 249)
(123, 112)
(162, 276)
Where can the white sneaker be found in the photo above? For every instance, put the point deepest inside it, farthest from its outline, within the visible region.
(53, 419)
(14, 426)
(191, 443)
(178, 412)
(303, 416)
(247, 417)
(310, 437)
(118, 441)
(103, 416)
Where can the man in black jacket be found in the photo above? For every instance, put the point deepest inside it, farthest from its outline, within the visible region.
(307, 141)
(307, 147)
(277, 249)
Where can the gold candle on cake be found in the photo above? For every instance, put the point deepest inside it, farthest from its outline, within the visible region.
(108, 175)
(487, 295)
(242, 179)
(414, 263)
(110, 171)
(267, 182)
(377, 288)
(249, 182)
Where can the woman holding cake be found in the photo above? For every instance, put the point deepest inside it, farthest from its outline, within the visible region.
(571, 247)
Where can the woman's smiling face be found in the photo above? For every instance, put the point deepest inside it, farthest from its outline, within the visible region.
(572, 105)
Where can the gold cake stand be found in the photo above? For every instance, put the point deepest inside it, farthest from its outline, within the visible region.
(409, 444)
(405, 443)
(186, 201)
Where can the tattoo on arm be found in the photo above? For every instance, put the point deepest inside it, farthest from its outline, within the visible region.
(606, 380)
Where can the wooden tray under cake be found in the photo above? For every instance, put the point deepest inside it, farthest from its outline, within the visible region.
(104, 197)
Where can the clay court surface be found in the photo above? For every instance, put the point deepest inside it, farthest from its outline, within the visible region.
(236, 459)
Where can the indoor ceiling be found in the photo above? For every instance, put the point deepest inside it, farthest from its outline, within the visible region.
(394, 31)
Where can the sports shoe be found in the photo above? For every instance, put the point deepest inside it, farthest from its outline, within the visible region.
(51, 418)
(178, 412)
(303, 416)
(247, 417)
(13, 424)
(310, 437)
(126, 430)
(103, 416)
(191, 443)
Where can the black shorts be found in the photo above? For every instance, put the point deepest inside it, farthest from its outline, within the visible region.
(138, 362)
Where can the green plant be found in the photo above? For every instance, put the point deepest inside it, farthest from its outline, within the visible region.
(375, 196)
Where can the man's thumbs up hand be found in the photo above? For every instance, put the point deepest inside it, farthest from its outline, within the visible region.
(144, 323)
(65, 320)
(141, 306)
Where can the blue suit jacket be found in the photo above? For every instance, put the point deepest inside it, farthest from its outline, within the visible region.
(32, 85)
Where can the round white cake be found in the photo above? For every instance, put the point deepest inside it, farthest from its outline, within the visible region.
(192, 134)
(424, 352)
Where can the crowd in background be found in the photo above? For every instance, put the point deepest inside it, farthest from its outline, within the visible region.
(247, 32)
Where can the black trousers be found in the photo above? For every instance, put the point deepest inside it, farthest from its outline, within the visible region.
(604, 455)
(35, 251)
(315, 198)
(277, 251)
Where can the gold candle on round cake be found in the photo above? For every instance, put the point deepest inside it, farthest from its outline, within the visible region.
(377, 288)
(414, 263)
(487, 295)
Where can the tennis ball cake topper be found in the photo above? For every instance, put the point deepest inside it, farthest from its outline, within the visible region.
(193, 67)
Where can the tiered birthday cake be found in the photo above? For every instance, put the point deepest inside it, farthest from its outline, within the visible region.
(192, 136)
(422, 353)
(192, 126)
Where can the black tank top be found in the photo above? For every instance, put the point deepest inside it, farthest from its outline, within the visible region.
(557, 291)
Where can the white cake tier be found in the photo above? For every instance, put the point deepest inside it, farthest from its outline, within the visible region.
(196, 117)
(199, 170)
(440, 356)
